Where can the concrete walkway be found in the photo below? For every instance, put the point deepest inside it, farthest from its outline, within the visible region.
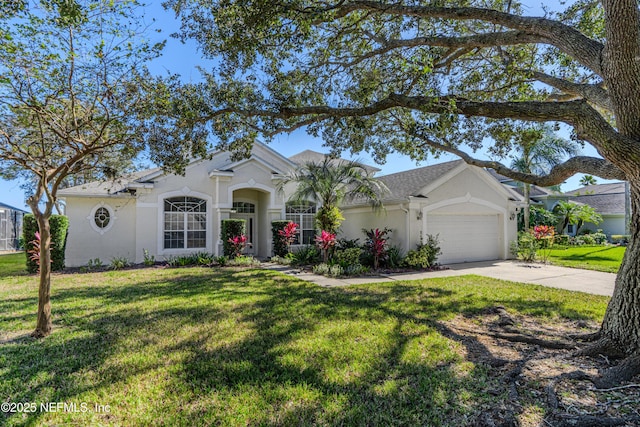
(573, 279)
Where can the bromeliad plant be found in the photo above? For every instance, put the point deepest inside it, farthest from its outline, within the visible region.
(376, 244)
(325, 242)
(288, 234)
(238, 244)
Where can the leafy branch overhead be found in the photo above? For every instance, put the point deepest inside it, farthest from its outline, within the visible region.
(408, 78)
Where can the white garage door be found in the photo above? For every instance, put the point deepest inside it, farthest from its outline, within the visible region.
(466, 238)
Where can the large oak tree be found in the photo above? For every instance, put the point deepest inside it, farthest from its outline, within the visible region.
(420, 77)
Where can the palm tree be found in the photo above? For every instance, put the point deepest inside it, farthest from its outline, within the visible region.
(537, 151)
(329, 183)
(587, 180)
(567, 213)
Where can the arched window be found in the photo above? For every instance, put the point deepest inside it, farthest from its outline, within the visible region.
(185, 223)
(305, 216)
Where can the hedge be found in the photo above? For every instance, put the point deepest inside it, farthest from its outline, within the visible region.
(279, 245)
(59, 225)
(231, 228)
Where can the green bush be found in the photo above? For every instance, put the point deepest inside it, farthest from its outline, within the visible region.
(525, 247)
(279, 244)
(231, 228)
(355, 270)
(585, 239)
(347, 257)
(118, 263)
(395, 257)
(59, 225)
(347, 243)
(561, 239)
(599, 237)
(328, 270)
(425, 256)
(306, 255)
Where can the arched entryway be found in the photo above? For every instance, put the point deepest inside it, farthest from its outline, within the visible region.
(252, 205)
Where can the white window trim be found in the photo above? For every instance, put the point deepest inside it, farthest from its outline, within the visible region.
(186, 191)
(112, 218)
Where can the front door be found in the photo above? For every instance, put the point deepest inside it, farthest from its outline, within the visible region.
(247, 211)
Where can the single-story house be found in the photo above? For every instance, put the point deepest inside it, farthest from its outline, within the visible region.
(10, 227)
(606, 199)
(167, 214)
(609, 200)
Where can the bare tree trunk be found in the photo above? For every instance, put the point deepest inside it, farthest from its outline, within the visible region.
(44, 324)
(621, 324)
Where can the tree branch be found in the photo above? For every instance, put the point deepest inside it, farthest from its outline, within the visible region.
(569, 40)
(595, 94)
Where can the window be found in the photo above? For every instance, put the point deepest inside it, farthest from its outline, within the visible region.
(570, 228)
(102, 217)
(305, 216)
(244, 207)
(185, 223)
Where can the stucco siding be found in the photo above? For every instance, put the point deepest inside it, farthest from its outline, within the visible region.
(86, 241)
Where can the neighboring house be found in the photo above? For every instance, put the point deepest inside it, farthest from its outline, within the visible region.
(10, 227)
(606, 199)
(168, 214)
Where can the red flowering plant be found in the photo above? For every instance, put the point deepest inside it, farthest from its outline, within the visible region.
(544, 237)
(376, 244)
(238, 244)
(288, 233)
(325, 242)
(34, 252)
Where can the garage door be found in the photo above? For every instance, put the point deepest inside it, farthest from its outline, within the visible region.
(466, 238)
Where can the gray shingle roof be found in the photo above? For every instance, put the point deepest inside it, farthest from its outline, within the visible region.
(606, 199)
(107, 187)
(409, 183)
(613, 188)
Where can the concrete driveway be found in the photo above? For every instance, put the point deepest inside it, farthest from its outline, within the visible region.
(573, 279)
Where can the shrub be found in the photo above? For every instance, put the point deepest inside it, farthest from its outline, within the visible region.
(347, 257)
(237, 243)
(328, 270)
(280, 247)
(229, 229)
(196, 258)
(376, 244)
(355, 270)
(118, 263)
(425, 255)
(329, 217)
(325, 242)
(149, 260)
(244, 260)
(347, 243)
(599, 237)
(306, 255)
(561, 239)
(525, 247)
(585, 239)
(395, 257)
(59, 225)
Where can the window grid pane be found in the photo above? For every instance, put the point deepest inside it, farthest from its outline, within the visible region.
(304, 216)
(185, 223)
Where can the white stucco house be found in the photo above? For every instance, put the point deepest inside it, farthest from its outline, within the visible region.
(167, 214)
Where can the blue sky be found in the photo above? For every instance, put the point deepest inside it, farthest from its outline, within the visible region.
(183, 58)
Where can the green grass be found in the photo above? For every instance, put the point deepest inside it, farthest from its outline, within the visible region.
(600, 258)
(12, 265)
(200, 346)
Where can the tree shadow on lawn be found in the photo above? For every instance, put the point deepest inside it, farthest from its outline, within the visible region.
(257, 347)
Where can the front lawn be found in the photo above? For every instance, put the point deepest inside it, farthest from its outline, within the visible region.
(200, 346)
(600, 258)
